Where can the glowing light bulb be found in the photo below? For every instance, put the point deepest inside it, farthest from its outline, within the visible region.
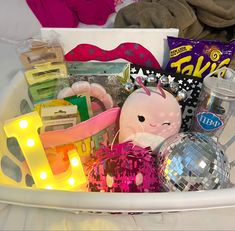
(74, 161)
(43, 175)
(23, 124)
(71, 181)
(30, 142)
(25, 129)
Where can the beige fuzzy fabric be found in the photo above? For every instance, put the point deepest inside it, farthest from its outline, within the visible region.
(194, 18)
(215, 13)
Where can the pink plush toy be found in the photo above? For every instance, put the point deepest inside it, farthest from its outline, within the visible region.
(149, 116)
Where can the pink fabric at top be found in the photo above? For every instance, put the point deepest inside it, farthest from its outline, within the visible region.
(68, 13)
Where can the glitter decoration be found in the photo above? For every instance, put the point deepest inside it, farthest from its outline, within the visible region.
(181, 95)
(174, 86)
(164, 80)
(123, 168)
(192, 162)
(151, 79)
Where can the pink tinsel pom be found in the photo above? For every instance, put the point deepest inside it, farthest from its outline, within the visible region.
(124, 168)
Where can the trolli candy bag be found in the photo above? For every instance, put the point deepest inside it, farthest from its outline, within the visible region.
(198, 58)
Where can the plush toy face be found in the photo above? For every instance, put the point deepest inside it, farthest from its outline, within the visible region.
(148, 119)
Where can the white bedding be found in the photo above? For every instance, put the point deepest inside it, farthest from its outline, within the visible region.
(9, 62)
(17, 22)
(21, 218)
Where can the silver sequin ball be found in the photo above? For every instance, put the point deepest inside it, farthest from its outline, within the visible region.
(191, 162)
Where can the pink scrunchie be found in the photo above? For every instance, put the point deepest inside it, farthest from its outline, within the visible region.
(68, 13)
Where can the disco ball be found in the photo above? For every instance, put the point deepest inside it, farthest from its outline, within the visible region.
(192, 162)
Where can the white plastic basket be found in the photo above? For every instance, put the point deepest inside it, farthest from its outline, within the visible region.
(15, 99)
(15, 190)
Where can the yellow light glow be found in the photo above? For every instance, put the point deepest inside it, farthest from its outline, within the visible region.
(71, 181)
(43, 175)
(23, 124)
(30, 142)
(74, 162)
(35, 156)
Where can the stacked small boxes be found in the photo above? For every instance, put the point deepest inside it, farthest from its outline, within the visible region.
(45, 70)
(46, 74)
